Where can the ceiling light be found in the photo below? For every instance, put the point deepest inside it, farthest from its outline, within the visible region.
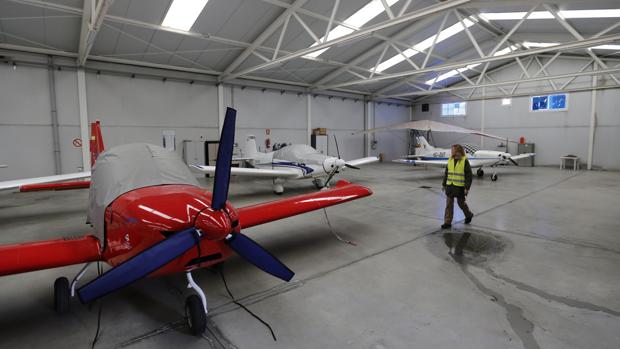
(506, 16)
(506, 101)
(452, 73)
(182, 14)
(426, 44)
(530, 44)
(607, 47)
(357, 20)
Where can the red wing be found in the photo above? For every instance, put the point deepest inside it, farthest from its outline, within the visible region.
(30, 256)
(270, 211)
(55, 186)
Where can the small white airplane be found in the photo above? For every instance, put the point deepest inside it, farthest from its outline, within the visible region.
(438, 157)
(296, 161)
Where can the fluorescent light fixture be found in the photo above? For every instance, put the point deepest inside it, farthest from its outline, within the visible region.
(182, 14)
(508, 16)
(506, 101)
(530, 44)
(426, 44)
(452, 73)
(357, 20)
(607, 47)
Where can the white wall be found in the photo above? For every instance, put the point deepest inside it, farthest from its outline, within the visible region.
(555, 133)
(393, 144)
(139, 109)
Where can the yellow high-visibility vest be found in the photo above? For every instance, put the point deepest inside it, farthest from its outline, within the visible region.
(456, 172)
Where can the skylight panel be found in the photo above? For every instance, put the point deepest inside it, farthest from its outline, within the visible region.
(607, 47)
(358, 19)
(182, 14)
(507, 16)
(452, 73)
(425, 44)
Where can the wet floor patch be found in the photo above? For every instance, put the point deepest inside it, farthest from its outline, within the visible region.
(475, 241)
(469, 245)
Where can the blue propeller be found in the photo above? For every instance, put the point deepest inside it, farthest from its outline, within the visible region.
(162, 253)
(139, 265)
(257, 255)
(224, 161)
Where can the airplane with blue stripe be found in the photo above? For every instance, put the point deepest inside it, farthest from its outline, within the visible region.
(438, 157)
(295, 161)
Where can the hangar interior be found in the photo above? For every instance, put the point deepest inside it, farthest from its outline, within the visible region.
(540, 268)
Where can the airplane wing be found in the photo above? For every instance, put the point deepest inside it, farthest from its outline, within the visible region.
(363, 161)
(47, 182)
(429, 125)
(523, 156)
(443, 162)
(24, 257)
(254, 172)
(431, 163)
(344, 191)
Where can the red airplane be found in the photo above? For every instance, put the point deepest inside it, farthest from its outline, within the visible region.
(151, 218)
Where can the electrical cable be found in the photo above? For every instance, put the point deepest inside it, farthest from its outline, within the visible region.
(338, 237)
(221, 272)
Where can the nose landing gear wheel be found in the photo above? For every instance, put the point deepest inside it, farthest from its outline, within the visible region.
(195, 315)
(61, 295)
(494, 177)
(480, 173)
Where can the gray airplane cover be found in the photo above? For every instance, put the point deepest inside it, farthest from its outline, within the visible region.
(128, 167)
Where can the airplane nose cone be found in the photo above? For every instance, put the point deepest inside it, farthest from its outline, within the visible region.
(332, 163)
(340, 162)
(214, 224)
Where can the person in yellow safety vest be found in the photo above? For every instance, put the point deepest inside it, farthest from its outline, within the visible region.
(456, 184)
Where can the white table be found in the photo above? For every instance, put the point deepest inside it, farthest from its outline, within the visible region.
(575, 160)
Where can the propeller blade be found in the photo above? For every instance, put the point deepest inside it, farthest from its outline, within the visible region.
(513, 162)
(337, 149)
(224, 161)
(353, 167)
(257, 255)
(139, 265)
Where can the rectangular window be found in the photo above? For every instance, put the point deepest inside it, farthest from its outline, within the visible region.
(549, 102)
(454, 109)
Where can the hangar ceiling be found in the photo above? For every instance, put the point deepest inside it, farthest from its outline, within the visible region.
(382, 48)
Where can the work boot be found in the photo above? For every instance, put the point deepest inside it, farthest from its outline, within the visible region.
(468, 219)
(446, 226)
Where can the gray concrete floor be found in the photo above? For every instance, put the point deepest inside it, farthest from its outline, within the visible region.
(540, 271)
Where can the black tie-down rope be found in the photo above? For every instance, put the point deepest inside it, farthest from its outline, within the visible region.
(338, 237)
(220, 270)
(96, 338)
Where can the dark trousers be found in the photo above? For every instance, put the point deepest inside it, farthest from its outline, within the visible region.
(458, 193)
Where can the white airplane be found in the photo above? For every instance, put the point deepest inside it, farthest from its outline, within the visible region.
(438, 157)
(296, 161)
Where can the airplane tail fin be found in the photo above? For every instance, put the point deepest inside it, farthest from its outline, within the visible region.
(96, 142)
(249, 148)
(423, 143)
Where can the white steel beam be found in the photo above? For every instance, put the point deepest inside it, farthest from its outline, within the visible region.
(92, 18)
(452, 65)
(592, 121)
(308, 118)
(575, 33)
(283, 17)
(83, 111)
(355, 35)
(501, 83)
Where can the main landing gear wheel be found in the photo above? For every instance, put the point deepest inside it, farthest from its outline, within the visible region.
(61, 295)
(480, 173)
(195, 315)
(494, 177)
(278, 189)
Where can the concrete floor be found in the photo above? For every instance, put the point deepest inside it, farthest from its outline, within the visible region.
(540, 271)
